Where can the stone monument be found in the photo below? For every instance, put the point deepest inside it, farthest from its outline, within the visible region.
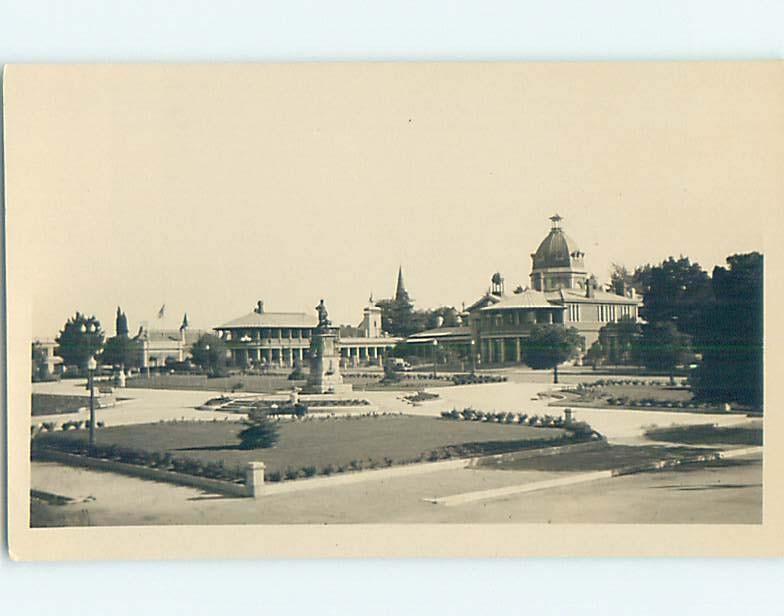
(325, 374)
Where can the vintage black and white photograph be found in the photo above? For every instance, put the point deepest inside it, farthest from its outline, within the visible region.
(398, 294)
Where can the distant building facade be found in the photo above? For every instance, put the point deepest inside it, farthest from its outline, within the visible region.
(496, 326)
(159, 347)
(282, 339)
(45, 364)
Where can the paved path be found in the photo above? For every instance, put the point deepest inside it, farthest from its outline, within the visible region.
(705, 494)
(103, 498)
(151, 405)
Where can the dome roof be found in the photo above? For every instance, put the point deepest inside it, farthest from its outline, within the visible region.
(557, 249)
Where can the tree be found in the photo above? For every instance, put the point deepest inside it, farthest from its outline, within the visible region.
(619, 342)
(447, 313)
(209, 352)
(75, 346)
(621, 279)
(260, 431)
(121, 351)
(549, 345)
(731, 334)
(674, 291)
(595, 355)
(121, 323)
(663, 347)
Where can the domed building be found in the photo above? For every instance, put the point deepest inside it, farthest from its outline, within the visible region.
(558, 262)
(562, 291)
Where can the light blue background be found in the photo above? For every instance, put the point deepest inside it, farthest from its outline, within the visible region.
(179, 30)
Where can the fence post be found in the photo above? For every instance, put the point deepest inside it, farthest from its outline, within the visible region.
(254, 479)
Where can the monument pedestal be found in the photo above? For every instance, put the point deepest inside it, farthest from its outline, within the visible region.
(325, 377)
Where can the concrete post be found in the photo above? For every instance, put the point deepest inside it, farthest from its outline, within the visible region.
(254, 479)
(568, 417)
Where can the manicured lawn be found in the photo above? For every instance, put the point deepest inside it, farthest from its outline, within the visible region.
(321, 442)
(53, 404)
(708, 434)
(608, 458)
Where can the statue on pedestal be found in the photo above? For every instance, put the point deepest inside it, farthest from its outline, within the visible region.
(325, 374)
(323, 321)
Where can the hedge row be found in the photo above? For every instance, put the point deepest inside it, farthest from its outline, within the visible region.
(471, 379)
(139, 457)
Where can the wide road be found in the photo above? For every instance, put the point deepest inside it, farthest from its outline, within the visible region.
(724, 492)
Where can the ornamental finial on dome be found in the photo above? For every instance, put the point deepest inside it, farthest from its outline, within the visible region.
(556, 220)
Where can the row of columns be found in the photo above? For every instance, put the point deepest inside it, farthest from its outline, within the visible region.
(352, 355)
(494, 350)
(270, 356)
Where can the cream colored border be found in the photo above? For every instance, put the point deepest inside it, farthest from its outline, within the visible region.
(300, 541)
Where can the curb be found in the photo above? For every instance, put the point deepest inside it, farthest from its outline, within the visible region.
(470, 497)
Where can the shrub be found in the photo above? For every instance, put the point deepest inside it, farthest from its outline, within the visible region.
(273, 476)
(355, 465)
(329, 469)
(291, 473)
(260, 432)
(309, 471)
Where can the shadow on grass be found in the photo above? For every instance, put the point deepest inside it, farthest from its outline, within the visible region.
(210, 448)
(609, 458)
(708, 434)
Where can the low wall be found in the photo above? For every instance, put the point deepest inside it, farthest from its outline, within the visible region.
(298, 485)
(144, 472)
(526, 454)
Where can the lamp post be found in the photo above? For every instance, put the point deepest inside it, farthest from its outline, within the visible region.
(435, 356)
(91, 366)
(473, 356)
(207, 358)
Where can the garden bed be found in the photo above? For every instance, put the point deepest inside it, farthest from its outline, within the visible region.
(316, 446)
(639, 394)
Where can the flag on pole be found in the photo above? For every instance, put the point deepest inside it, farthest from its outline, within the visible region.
(162, 311)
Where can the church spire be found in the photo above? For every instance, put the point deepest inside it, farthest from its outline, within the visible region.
(401, 295)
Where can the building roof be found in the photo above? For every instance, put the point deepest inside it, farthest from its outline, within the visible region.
(169, 335)
(527, 299)
(368, 340)
(557, 249)
(599, 297)
(440, 333)
(271, 319)
(487, 299)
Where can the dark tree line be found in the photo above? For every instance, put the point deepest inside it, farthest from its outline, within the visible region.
(719, 317)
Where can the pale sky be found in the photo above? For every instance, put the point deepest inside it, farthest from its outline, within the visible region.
(206, 188)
